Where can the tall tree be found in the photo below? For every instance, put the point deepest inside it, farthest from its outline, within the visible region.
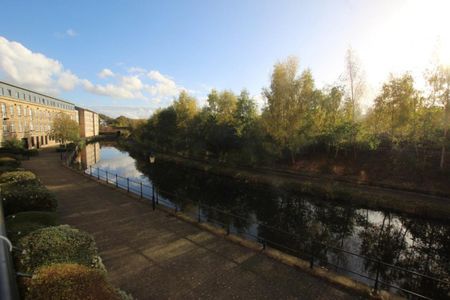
(222, 105)
(245, 112)
(439, 81)
(282, 112)
(355, 83)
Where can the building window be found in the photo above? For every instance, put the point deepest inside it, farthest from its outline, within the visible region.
(29, 97)
(31, 126)
(3, 92)
(30, 111)
(19, 110)
(18, 95)
(3, 110)
(24, 96)
(19, 127)
(34, 98)
(12, 127)
(10, 93)
(11, 110)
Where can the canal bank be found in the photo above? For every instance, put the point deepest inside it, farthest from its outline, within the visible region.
(418, 204)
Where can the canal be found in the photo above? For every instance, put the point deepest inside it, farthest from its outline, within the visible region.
(347, 239)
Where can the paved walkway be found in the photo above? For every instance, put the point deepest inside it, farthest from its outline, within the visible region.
(153, 255)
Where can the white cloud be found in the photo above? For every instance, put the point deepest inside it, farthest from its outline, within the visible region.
(26, 68)
(164, 86)
(105, 73)
(70, 32)
(21, 66)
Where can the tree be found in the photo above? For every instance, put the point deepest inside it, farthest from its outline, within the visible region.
(222, 105)
(186, 108)
(396, 108)
(355, 84)
(439, 81)
(245, 112)
(282, 113)
(65, 129)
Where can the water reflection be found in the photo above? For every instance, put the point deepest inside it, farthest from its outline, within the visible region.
(89, 155)
(300, 225)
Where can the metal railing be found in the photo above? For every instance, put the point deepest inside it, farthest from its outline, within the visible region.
(8, 283)
(306, 250)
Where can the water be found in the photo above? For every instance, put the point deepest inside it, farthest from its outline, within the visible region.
(293, 222)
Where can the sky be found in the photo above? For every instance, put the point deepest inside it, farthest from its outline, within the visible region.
(131, 57)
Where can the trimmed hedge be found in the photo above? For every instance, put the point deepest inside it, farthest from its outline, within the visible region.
(70, 281)
(23, 223)
(4, 169)
(25, 197)
(17, 176)
(58, 244)
(9, 162)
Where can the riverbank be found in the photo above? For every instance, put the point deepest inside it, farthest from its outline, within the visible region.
(401, 201)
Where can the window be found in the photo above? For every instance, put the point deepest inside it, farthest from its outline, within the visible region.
(19, 127)
(5, 127)
(3, 110)
(12, 127)
(34, 98)
(3, 92)
(10, 93)
(19, 110)
(29, 97)
(24, 96)
(11, 110)
(30, 112)
(31, 126)
(17, 95)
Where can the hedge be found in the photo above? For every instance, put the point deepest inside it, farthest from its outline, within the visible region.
(70, 281)
(9, 161)
(25, 197)
(58, 244)
(17, 176)
(23, 223)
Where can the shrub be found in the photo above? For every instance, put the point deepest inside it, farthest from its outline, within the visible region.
(4, 169)
(23, 223)
(9, 162)
(14, 145)
(17, 176)
(25, 197)
(69, 281)
(58, 244)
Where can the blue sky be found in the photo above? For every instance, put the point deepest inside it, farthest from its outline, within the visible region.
(132, 57)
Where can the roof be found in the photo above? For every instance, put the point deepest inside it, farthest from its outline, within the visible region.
(42, 94)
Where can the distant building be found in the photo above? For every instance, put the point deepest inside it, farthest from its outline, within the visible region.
(28, 116)
(89, 122)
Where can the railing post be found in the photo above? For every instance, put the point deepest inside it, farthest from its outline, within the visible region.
(128, 185)
(375, 287)
(141, 189)
(107, 177)
(98, 173)
(117, 183)
(153, 192)
(90, 170)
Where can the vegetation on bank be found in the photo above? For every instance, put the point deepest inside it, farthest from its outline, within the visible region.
(302, 124)
(62, 261)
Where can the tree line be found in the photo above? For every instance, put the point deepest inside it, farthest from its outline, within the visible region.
(298, 117)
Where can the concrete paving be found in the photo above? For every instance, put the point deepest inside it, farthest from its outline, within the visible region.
(153, 255)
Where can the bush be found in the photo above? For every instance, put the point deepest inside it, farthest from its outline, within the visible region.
(25, 197)
(69, 281)
(17, 177)
(14, 145)
(9, 162)
(58, 244)
(4, 169)
(23, 223)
